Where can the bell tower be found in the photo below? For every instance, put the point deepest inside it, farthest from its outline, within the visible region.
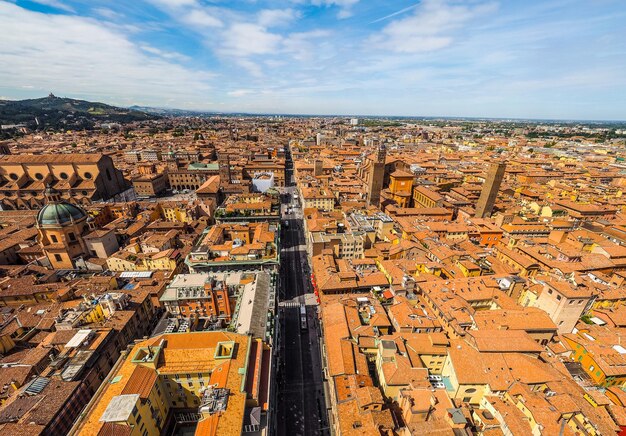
(376, 176)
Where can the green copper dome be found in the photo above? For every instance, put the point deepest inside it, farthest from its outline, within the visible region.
(59, 214)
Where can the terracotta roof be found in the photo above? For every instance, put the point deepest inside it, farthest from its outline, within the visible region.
(140, 382)
(112, 429)
(503, 341)
(52, 158)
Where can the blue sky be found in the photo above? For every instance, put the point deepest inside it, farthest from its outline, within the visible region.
(530, 59)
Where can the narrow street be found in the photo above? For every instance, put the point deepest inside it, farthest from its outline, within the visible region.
(301, 404)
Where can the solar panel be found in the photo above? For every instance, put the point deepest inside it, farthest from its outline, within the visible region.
(136, 274)
(37, 385)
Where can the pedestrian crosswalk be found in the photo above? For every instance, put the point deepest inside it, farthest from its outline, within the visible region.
(289, 304)
(296, 248)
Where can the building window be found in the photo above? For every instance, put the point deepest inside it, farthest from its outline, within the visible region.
(88, 175)
(58, 257)
(63, 176)
(71, 236)
(54, 238)
(13, 176)
(39, 176)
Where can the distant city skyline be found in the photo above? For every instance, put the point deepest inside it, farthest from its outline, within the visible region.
(557, 59)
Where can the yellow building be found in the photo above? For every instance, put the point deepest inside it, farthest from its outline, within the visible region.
(173, 212)
(61, 228)
(395, 370)
(29, 293)
(469, 269)
(528, 297)
(610, 299)
(124, 261)
(401, 187)
(424, 197)
(166, 260)
(469, 389)
(428, 267)
(532, 406)
(601, 358)
(218, 374)
(524, 265)
(322, 198)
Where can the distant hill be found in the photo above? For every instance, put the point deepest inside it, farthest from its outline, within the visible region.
(171, 112)
(65, 113)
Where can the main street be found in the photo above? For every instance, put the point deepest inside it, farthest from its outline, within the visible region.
(301, 404)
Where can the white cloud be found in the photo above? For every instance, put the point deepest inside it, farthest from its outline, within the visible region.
(303, 45)
(72, 55)
(277, 17)
(253, 47)
(108, 13)
(245, 39)
(201, 18)
(430, 28)
(275, 63)
(165, 54)
(250, 66)
(242, 39)
(240, 92)
(174, 3)
(190, 12)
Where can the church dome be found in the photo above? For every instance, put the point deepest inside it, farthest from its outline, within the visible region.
(59, 214)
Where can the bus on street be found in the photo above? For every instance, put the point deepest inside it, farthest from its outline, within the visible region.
(303, 323)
